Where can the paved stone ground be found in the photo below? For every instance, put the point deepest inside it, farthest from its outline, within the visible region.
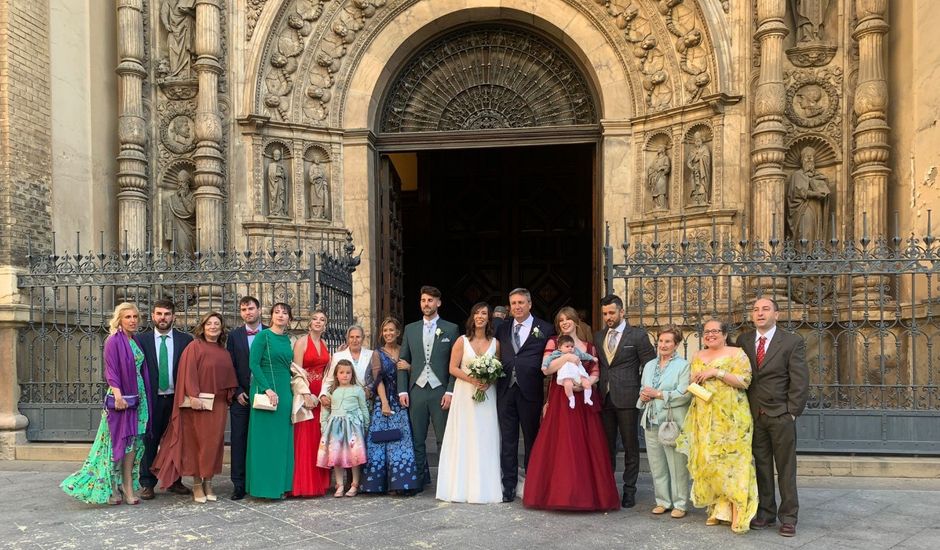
(866, 513)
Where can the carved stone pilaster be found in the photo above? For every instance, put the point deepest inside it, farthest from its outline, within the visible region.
(132, 159)
(870, 155)
(768, 150)
(208, 155)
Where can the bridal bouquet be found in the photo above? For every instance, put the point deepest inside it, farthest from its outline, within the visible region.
(486, 369)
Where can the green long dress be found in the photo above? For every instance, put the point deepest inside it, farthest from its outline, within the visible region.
(270, 461)
(100, 474)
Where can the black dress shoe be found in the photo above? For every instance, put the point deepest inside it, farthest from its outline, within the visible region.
(509, 496)
(628, 501)
(238, 494)
(757, 524)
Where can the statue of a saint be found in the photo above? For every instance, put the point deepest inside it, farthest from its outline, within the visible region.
(810, 19)
(657, 178)
(179, 19)
(700, 166)
(277, 185)
(807, 200)
(319, 191)
(179, 217)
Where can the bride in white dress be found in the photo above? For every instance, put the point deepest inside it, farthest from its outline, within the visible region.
(469, 466)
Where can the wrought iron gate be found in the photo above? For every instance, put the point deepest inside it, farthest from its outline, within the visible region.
(869, 312)
(71, 298)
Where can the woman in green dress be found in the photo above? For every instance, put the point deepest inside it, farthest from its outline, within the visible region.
(270, 462)
(113, 464)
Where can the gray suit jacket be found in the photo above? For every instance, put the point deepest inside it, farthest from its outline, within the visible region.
(781, 385)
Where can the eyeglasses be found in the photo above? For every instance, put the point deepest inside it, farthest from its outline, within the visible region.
(712, 331)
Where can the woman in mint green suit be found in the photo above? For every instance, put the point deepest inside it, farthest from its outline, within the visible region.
(664, 396)
(270, 461)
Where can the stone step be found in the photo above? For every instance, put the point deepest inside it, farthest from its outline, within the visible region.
(809, 465)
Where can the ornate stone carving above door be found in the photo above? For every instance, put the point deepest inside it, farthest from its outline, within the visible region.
(493, 76)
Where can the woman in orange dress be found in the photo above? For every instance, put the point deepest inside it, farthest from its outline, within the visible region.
(311, 353)
(193, 442)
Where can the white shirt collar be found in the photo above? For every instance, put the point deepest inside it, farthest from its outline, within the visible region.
(527, 322)
(157, 335)
(769, 335)
(621, 327)
(432, 322)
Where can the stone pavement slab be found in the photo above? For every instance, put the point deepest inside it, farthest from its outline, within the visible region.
(859, 513)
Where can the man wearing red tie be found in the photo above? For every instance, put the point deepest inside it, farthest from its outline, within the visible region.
(777, 395)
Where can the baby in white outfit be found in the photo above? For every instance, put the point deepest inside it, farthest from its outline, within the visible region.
(571, 373)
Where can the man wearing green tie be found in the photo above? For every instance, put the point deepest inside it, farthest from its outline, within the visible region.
(425, 385)
(162, 349)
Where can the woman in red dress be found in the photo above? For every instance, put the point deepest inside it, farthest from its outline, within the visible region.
(311, 352)
(570, 464)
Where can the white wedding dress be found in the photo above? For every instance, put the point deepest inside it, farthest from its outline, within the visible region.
(469, 466)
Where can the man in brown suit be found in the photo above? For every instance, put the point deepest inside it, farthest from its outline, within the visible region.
(777, 395)
(622, 350)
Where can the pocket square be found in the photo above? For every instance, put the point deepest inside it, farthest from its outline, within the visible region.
(445, 340)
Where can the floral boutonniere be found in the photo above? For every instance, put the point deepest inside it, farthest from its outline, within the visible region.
(438, 333)
(537, 333)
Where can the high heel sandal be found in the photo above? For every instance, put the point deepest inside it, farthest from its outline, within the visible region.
(353, 490)
(116, 494)
(199, 494)
(339, 491)
(207, 488)
(133, 502)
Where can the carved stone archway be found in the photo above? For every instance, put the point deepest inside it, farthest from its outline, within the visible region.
(488, 77)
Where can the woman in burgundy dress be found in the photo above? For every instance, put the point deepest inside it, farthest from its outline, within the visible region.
(570, 465)
(311, 352)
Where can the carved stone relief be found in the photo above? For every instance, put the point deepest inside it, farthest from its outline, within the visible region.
(658, 170)
(650, 60)
(277, 179)
(488, 77)
(317, 176)
(252, 13)
(813, 101)
(682, 22)
(178, 19)
(810, 190)
(179, 209)
(813, 47)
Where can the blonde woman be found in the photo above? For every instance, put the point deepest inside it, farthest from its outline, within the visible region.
(112, 468)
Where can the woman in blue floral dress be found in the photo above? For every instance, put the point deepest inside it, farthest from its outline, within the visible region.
(390, 453)
(113, 464)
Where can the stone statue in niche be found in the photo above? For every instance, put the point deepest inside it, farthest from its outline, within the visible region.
(179, 217)
(700, 168)
(179, 19)
(657, 178)
(810, 19)
(276, 177)
(807, 200)
(319, 191)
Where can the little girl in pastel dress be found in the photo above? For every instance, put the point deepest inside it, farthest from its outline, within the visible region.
(343, 443)
(571, 373)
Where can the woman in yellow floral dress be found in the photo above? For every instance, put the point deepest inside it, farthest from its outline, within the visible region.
(717, 434)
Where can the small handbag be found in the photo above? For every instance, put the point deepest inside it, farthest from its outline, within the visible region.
(669, 430)
(700, 392)
(132, 401)
(208, 400)
(385, 436)
(261, 401)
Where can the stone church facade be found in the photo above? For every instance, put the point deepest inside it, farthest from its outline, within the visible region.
(204, 125)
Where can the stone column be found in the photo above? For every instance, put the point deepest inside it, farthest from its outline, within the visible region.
(132, 160)
(870, 176)
(208, 155)
(768, 152)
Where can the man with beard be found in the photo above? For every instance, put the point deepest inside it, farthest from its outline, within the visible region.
(162, 349)
(238, 345)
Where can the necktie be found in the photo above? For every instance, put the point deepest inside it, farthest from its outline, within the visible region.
(760, 350)
(611, 340)
(516, 342)
(164, 363)
(251, 332)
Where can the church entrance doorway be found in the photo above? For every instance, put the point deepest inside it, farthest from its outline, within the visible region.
(479, 222)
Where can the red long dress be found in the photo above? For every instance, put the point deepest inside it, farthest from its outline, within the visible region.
(310, 480)
(570, 464)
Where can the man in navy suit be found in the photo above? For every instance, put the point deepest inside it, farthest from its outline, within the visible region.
(162, 347)
(519, 395)
(238, 345)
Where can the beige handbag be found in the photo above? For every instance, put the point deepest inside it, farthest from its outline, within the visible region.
(208, 400)
(700, 392)
(261, 401)
(669, 430)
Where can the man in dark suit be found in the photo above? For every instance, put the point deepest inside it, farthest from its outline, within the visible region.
(519, 395)
(162, 347)
(622, 350)
(425, 385)
(777, 395)
(238, 345)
